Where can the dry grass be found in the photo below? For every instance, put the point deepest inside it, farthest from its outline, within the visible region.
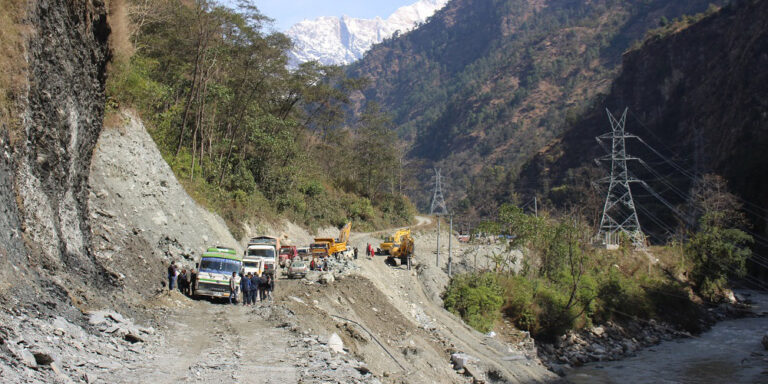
(120, 24)
(12, 63)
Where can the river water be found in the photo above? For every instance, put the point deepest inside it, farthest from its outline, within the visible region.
(731, 352)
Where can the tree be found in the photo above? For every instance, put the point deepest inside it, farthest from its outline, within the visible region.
(376, 147)
(719, 249)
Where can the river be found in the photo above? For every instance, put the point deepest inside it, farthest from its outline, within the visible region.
(731, 352)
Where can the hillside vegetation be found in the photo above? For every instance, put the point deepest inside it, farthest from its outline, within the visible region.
(246, 136)
(695, 94)
(483, 85)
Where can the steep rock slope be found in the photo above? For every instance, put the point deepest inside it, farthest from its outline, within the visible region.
(342, 40)
(696, 94)
(142, 217)
(48, 143)
(490, 82)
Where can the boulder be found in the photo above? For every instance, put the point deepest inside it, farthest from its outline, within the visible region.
(327, 278)
(132, 338)
(27, 358)
(460, 360)
(335, 343)
(43, 357)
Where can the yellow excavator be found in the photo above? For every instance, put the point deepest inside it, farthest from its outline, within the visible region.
(398, 247)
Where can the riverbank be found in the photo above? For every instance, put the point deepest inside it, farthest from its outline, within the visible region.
(729, 351)
(614, 341)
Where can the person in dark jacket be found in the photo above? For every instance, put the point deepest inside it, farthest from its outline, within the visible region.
(355, 253)
(183, 282)
(171, 275)
(192, 281)
(245, 288)
(263, 287)
(254, 288)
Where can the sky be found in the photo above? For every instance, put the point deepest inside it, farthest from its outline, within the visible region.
(289, 12)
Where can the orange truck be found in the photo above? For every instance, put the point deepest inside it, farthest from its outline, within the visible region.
(328, 246)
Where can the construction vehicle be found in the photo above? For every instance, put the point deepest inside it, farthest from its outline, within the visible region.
(215, 270)
(390, 241)
(399, 247)
(324, 247)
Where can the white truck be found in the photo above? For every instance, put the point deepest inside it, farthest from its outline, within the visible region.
(261, 255)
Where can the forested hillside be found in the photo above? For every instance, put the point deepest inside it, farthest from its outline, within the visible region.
(245, 135)
(696, 95)
(484, 84)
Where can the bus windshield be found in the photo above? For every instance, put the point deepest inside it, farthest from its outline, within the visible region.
(219, 265)
(263, 252)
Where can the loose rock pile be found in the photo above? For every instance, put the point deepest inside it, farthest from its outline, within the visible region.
(337, 269)
(604, 343)
(325, 361)
(35, 348)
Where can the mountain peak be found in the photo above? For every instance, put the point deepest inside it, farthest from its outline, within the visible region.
(342, 40)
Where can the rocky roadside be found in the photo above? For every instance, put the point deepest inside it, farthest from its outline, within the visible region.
(320, 359)
(40, 348)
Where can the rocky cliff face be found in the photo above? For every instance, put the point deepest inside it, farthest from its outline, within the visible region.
(44, 170)
(698, 96)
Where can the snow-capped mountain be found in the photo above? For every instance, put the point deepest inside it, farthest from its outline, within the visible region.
(342, 40)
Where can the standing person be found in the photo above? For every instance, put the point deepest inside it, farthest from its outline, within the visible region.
(245, 288)
(192, 281)
(182, 281)
(355, 253)
(269, 285)
(312, 265)
(254, 288)
(233, 289)
(171, 275)
(263, 287)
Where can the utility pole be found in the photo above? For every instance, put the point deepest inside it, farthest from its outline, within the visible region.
(450, 253)
(619, 213)
(437, 259)
(438, 208)
(535, 207)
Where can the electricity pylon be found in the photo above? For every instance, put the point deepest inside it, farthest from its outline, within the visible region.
(438, 202)
(619, 212)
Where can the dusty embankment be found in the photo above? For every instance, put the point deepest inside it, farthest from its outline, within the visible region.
(392, 319)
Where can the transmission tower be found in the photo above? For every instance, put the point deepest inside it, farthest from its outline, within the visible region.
(438, 202)
(619, 213)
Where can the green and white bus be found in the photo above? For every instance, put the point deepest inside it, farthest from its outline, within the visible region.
(215, 270)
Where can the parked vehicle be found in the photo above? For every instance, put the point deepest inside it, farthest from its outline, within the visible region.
(262, 252)
(287, 254)
(297, 269)
(304, 253)
(332, 246)
(214, 271)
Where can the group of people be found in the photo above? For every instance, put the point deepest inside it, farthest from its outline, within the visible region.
(253, 287)
(181, 279)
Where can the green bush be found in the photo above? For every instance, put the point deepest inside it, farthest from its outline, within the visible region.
(622, 297)
(519, 303)
(476, 298)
